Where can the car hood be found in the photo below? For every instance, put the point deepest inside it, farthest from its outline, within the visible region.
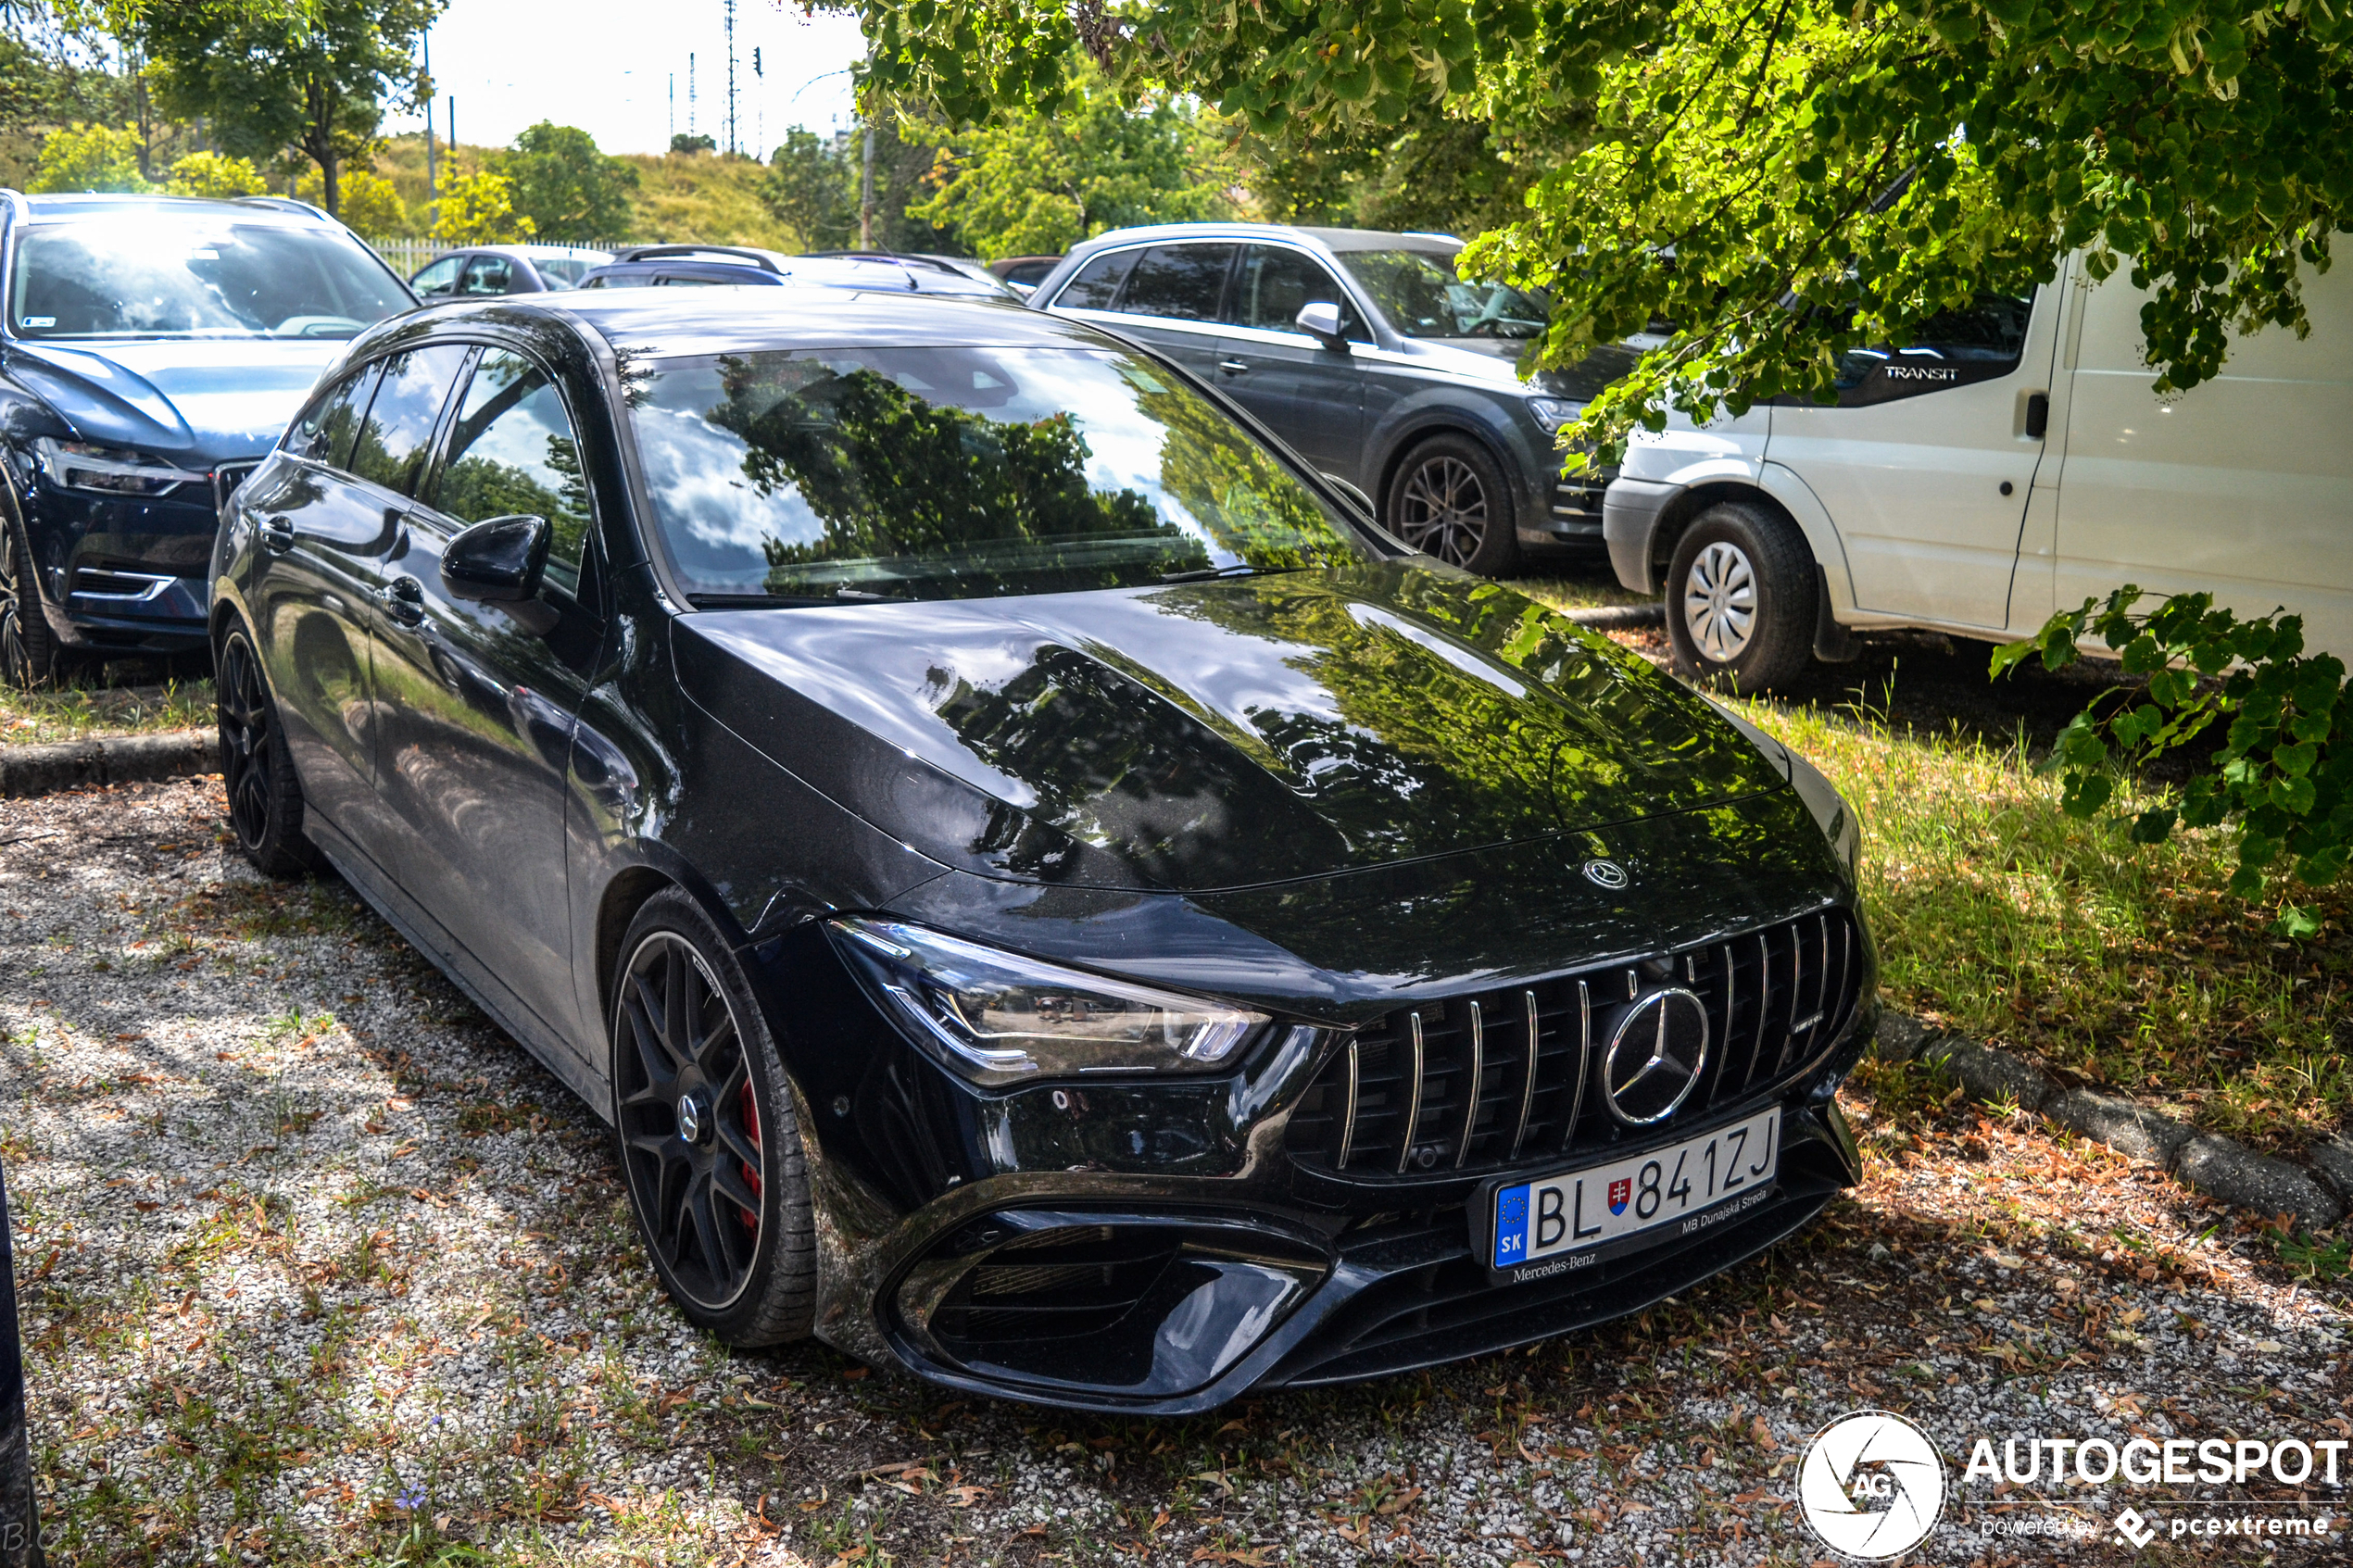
(212, 399)
(1217, 735)
(1497, 360)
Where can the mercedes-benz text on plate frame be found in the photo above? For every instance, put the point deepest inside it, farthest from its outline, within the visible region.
(1687, 1182)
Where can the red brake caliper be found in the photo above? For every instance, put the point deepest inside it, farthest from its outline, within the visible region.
(751, 1175)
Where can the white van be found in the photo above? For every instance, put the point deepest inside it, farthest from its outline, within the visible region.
(2017, 461)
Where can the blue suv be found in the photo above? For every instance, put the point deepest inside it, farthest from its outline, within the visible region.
(153, 350)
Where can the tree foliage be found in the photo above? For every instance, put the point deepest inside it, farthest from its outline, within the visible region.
(809, 187)
(1785, 179)
(2282, 774)
(1037, 182)
(315, 77)
(478, 209)
(567, 187)
(217, 175)
(90, 157)
(369, 202)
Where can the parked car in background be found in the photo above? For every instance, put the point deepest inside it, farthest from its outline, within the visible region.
(1404, 380)
(1047, 895)
(1023, 272)
(154, 348)
(938, 274)
(2013, 461)
(483, 269)
(692, 266)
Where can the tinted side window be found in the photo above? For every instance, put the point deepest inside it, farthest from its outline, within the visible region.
(322, 431)
(1097, 285)
(513, 451)
(488, 274)
(1179, 283)
(1982, 341)
(1273, 284)
(439, 277)
(399, 424)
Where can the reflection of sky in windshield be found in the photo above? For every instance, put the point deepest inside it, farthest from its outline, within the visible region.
(718, 521)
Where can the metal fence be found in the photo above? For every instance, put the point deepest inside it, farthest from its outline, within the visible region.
(407, 254)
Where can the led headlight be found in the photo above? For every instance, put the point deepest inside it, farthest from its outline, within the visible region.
(996, 1018)
(110, 471)
(1554, 412)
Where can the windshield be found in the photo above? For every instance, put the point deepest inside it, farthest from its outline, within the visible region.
(1422, 297)
(822, 475)
(563, 271)
(164, 274)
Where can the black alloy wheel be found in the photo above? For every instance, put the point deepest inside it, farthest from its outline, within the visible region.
(709, 1140)
(28, 649)
(1450, 500)
(1741, 599)
(265, 799)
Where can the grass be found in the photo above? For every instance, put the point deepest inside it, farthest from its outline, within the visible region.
(1580, 587)
(2119, 966)
(76, 711)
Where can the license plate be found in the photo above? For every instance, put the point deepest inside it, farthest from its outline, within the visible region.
(1678, 1190)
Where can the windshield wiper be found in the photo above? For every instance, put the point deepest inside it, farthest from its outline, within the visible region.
(1241, 568)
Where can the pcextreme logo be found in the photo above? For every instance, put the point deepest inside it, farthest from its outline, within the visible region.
(1871, 1485)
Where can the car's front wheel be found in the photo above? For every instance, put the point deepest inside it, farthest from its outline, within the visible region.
(28, 649)
(1739, 598)
(709, 1140)
(1449, 499)
(265, 799)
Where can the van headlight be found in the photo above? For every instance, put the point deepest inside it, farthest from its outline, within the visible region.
(109, 470)
(996, 1018)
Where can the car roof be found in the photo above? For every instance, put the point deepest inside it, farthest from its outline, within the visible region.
(528, 253)
(57, 205)
(1330, 238)
(660, 323)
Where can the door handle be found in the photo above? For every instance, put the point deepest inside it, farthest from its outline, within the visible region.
(2038, 415)
(1233, 366)
(404, 600)
(277, 535)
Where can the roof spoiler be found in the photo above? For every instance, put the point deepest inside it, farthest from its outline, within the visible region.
(654, 253)
(285, 204)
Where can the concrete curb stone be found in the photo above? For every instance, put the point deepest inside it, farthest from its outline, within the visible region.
(108, 759)
(2221, 1167)
(1616, 618)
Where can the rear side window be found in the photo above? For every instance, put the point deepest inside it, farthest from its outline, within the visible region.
(1178, 282)
(513, 451)
(1274, 283)
(437, 278)
(408, 404)
(488, 274)
(322, 431)
(1097, 285)
(1980, 342)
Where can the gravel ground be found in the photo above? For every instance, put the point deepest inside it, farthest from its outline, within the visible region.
(317, 1266)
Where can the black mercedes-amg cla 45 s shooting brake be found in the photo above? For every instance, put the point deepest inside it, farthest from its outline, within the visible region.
(1046, 892)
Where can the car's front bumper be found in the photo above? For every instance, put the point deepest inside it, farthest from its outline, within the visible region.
(1188, 1232)
(126, 575)
(1631, 510)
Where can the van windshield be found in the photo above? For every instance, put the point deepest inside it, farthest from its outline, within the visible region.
(822, 475)
(165, 275)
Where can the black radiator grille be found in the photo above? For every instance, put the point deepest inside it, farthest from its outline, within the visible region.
(1447, 1087)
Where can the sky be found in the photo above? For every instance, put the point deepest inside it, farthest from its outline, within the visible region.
(606, 66)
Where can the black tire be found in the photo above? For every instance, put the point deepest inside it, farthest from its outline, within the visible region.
(265, 799)
(1739, 598)
(724, 1212)
(1449, 499)
(28, 649)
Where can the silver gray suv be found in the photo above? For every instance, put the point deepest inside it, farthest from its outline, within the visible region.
(1374, 361)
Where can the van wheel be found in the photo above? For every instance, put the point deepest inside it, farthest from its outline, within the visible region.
(709, 1136)
(1450, 500)
(1739, 598)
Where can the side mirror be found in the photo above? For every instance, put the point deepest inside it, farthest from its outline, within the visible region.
(1321, 321)
(499, 560)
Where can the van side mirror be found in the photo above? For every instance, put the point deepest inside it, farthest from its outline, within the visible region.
(499, 560)
(1321, 321)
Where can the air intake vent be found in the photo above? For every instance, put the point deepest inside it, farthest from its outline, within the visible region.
(1498, 1078)
(1057, 1286)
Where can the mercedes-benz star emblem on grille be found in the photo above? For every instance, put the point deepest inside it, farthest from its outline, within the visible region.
(1605, 874)
(1655, 1057)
